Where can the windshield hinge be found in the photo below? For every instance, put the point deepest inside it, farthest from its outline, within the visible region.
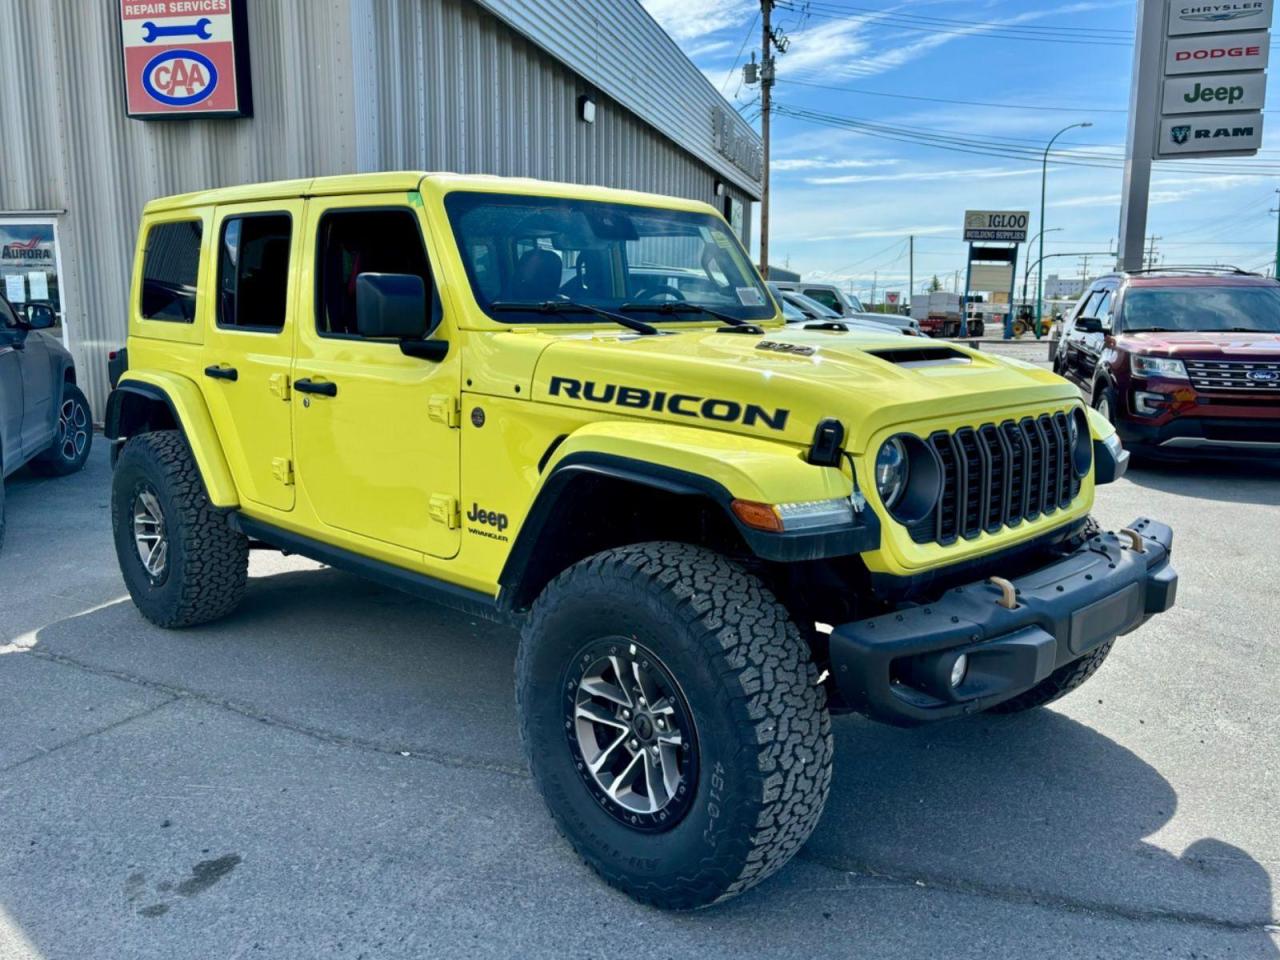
(445, 409)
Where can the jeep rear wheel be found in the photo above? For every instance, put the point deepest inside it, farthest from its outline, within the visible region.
(673, 721)
(182, 562)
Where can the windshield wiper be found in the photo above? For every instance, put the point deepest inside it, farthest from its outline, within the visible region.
(571, 306)
(1150, 330)
(684, 307)
(1246, 330)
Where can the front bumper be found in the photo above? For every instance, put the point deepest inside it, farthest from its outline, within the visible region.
(896, 667)
(1211, 436)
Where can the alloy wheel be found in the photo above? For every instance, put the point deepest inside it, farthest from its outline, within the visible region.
(73, 430)
(149, 533)
(631, 734)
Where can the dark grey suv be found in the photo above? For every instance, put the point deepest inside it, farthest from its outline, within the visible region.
(44, 418)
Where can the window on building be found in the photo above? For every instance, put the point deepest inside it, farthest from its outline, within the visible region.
(253, 271)
(352, 242)
(170, 268)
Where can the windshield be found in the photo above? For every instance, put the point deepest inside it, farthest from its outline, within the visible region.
(1201, 309)
(522, 250)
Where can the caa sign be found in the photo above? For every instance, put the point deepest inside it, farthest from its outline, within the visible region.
(185, 58)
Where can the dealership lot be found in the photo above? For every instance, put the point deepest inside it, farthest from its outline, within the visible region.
(335, 771)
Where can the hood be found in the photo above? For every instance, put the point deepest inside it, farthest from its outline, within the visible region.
(1203, 345)
(781, 385)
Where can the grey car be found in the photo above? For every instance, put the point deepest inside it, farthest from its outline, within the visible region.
(44, 418)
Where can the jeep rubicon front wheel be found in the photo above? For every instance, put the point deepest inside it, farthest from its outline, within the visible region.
(674, 723)
(182, 562)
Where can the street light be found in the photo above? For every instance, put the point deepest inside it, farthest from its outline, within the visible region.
(1044, 180)
(1026, 271)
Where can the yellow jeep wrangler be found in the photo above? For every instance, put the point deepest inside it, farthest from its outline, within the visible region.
(578, 410)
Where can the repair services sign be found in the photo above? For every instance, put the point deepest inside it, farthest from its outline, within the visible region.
(185, 58)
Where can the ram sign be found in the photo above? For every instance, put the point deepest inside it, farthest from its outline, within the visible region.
(185, 58)
(1000, 226)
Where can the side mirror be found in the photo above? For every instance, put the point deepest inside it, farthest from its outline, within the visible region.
(1089, 325)
(391, 306)
(40, 316)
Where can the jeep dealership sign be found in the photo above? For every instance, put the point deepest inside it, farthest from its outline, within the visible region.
(1001, 226)
(185, 58)
(1215, 81)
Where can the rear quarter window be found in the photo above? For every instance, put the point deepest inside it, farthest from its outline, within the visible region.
(170, 271)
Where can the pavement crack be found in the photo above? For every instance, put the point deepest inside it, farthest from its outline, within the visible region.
(90, 734)
(174, 692)
(1098, 908)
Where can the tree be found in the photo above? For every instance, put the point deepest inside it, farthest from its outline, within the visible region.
(935, 284)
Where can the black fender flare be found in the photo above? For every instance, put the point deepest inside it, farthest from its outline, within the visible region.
(521, 568)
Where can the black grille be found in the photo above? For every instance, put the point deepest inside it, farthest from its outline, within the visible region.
(1259, 377)
(996, 476)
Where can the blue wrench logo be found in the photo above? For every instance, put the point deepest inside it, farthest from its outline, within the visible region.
(151, 32)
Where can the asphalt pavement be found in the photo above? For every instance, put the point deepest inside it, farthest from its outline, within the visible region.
(335, 771)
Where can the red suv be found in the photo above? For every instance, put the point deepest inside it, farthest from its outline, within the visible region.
(1184, 361)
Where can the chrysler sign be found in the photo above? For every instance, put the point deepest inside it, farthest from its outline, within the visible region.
(1221, 17)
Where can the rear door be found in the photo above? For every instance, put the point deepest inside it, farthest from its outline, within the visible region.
(248, 348)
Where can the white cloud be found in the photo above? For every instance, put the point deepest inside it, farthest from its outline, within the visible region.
(920, 176)
(690, 19)
(825, 163)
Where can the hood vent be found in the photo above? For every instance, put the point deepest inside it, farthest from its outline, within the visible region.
(923, 356)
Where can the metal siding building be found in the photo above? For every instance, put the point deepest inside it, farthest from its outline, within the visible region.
(473, 86)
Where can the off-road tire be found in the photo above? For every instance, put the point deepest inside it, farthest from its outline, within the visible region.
(763, 733)
(61, 459)
(208, 561)
(1103, 392)
(1058, 684)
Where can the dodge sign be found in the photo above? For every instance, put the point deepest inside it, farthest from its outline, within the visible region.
(185, 58)
(1001, 226)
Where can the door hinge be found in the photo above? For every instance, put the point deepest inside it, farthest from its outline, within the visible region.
(445, 409)
(445, 509)
(282, 470)
(279, 383)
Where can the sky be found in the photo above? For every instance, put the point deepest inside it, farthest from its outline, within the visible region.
(845, 200)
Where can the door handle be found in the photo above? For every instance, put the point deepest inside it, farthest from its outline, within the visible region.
(222, 373)
(326, 388)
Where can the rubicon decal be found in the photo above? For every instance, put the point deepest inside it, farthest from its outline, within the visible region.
(662, 401)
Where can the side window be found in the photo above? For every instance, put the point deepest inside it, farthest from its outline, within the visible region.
(170, 268)
(1087, 303)
(352, 242)
(253, 271)
(1102, 309)
(824, 297)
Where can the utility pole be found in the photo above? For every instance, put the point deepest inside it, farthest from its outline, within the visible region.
(911, 260)
(1151, 251)
(767, 77)
(875, 282)
(1276, 270)
(1084, 272)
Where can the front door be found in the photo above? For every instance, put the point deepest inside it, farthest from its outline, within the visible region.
(10, 390)
(248, 348)
(377, 436)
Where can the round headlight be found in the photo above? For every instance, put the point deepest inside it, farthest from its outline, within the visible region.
(1081, 441)
(891, 472)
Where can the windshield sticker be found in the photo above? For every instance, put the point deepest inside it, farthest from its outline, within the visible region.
(750, 297)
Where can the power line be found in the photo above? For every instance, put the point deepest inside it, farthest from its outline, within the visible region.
(946, 21)
(981, 31)
(962, 103)
(751, 29)
(1004, 148)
